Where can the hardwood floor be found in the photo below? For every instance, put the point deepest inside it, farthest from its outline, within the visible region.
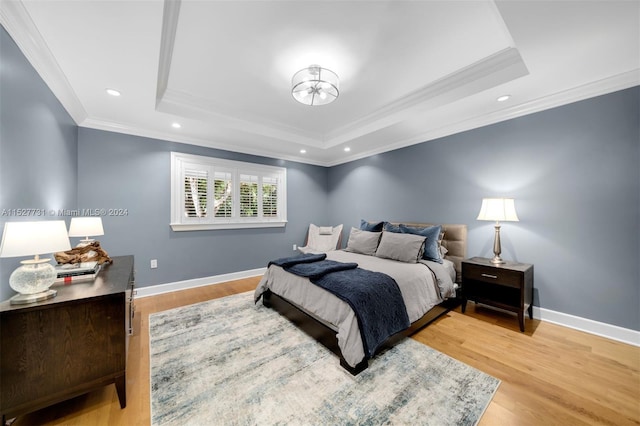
(550, 374)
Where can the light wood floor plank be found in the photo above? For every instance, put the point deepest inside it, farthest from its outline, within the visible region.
(550, 374)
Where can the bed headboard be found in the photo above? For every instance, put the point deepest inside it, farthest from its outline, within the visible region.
(455, 241)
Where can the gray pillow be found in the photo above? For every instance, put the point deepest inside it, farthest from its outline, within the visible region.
(363, 242)
(403, 247)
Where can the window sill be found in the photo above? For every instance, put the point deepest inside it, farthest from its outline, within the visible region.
(179, 227)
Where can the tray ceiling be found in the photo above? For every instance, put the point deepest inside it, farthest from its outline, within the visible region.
(410, 71)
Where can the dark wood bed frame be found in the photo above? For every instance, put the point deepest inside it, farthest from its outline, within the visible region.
(327, 336)
(455, 240)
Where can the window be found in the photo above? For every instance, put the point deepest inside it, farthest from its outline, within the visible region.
(210, 193)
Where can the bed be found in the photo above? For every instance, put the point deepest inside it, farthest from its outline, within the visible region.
(427, 288)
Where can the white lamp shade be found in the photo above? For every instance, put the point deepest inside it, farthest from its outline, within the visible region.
(498, 210)
(85, 227)
(34, 238)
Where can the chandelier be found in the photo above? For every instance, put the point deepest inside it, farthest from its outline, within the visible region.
(315, 85)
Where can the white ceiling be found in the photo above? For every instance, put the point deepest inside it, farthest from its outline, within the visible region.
(410, 71)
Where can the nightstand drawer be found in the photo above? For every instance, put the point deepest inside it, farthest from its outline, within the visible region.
(493, 275)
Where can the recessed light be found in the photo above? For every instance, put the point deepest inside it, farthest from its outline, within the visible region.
(113, 92)
(176, 125)
(347, 149)
(503, 98)
(303, 151)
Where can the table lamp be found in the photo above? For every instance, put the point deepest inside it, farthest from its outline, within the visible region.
(33, 279)
(498, 209)
(85, 227)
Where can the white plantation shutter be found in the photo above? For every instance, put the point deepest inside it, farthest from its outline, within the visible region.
(210, 193)
(195, 193)
(248, 196)
(223, 198)
(270, 196)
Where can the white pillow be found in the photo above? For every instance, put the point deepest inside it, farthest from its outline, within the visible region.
(323, 242)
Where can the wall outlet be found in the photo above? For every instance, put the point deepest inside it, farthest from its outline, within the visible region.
(154, 263)
(295, 247)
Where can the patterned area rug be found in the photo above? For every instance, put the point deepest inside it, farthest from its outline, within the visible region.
(228, 361)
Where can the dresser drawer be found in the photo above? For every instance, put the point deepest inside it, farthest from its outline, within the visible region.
(492, 275)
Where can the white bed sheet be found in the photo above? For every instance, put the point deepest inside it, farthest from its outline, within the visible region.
(417, 283)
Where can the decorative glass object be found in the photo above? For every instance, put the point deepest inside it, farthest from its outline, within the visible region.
(32, 277)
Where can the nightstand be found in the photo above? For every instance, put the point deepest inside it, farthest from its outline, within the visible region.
(507, 286)
(59, 348)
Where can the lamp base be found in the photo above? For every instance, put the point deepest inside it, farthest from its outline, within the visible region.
(497, 260)
(23, 299)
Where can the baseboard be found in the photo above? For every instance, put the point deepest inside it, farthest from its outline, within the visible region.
(155, 290)
(609, 331)
(613, 332)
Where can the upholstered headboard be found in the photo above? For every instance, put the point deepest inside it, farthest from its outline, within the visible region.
(455, 241)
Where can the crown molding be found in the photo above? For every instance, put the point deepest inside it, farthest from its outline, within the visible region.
(170, 15)
(128, 129)
(498, 68)
(186, 105)
(494, 70)
(15, 18)
(590, 90)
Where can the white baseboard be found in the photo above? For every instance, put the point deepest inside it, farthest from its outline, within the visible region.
(613, 332)
(609, 331)
(155, 290)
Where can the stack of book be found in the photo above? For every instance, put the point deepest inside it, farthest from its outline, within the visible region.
(74, 272)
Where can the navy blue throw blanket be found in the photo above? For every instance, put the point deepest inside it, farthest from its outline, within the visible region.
(315, 270)
(376, 300)
(285, 262)
(374, 297)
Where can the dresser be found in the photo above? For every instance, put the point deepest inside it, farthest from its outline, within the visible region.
(69, 345)
(507, 286)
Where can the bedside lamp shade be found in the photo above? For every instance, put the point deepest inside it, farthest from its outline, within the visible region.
(498, 209)
(33, 279)
(85, 227)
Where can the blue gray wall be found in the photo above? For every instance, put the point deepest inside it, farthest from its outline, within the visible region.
(118, 171)
(38, 148)
(575, 174)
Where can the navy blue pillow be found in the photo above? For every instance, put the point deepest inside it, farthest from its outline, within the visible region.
(371, 226)
(390, 227)
(431, 251)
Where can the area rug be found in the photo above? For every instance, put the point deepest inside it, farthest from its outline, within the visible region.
(230, 362)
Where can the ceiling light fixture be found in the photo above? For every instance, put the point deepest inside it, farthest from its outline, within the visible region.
(503, 98)
(303, 151)
(176, 125)
(347, 149)
(112, 92)
(315, 85)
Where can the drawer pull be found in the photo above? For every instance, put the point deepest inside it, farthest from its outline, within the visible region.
(490, 276)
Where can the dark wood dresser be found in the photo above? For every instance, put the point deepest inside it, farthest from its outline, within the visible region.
(63, 347)
(507, 286)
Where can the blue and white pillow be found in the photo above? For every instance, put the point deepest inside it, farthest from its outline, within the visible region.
(371, 226)
(431, 246)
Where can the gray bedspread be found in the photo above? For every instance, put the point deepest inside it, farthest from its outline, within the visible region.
(374, 297)
(418, 286)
